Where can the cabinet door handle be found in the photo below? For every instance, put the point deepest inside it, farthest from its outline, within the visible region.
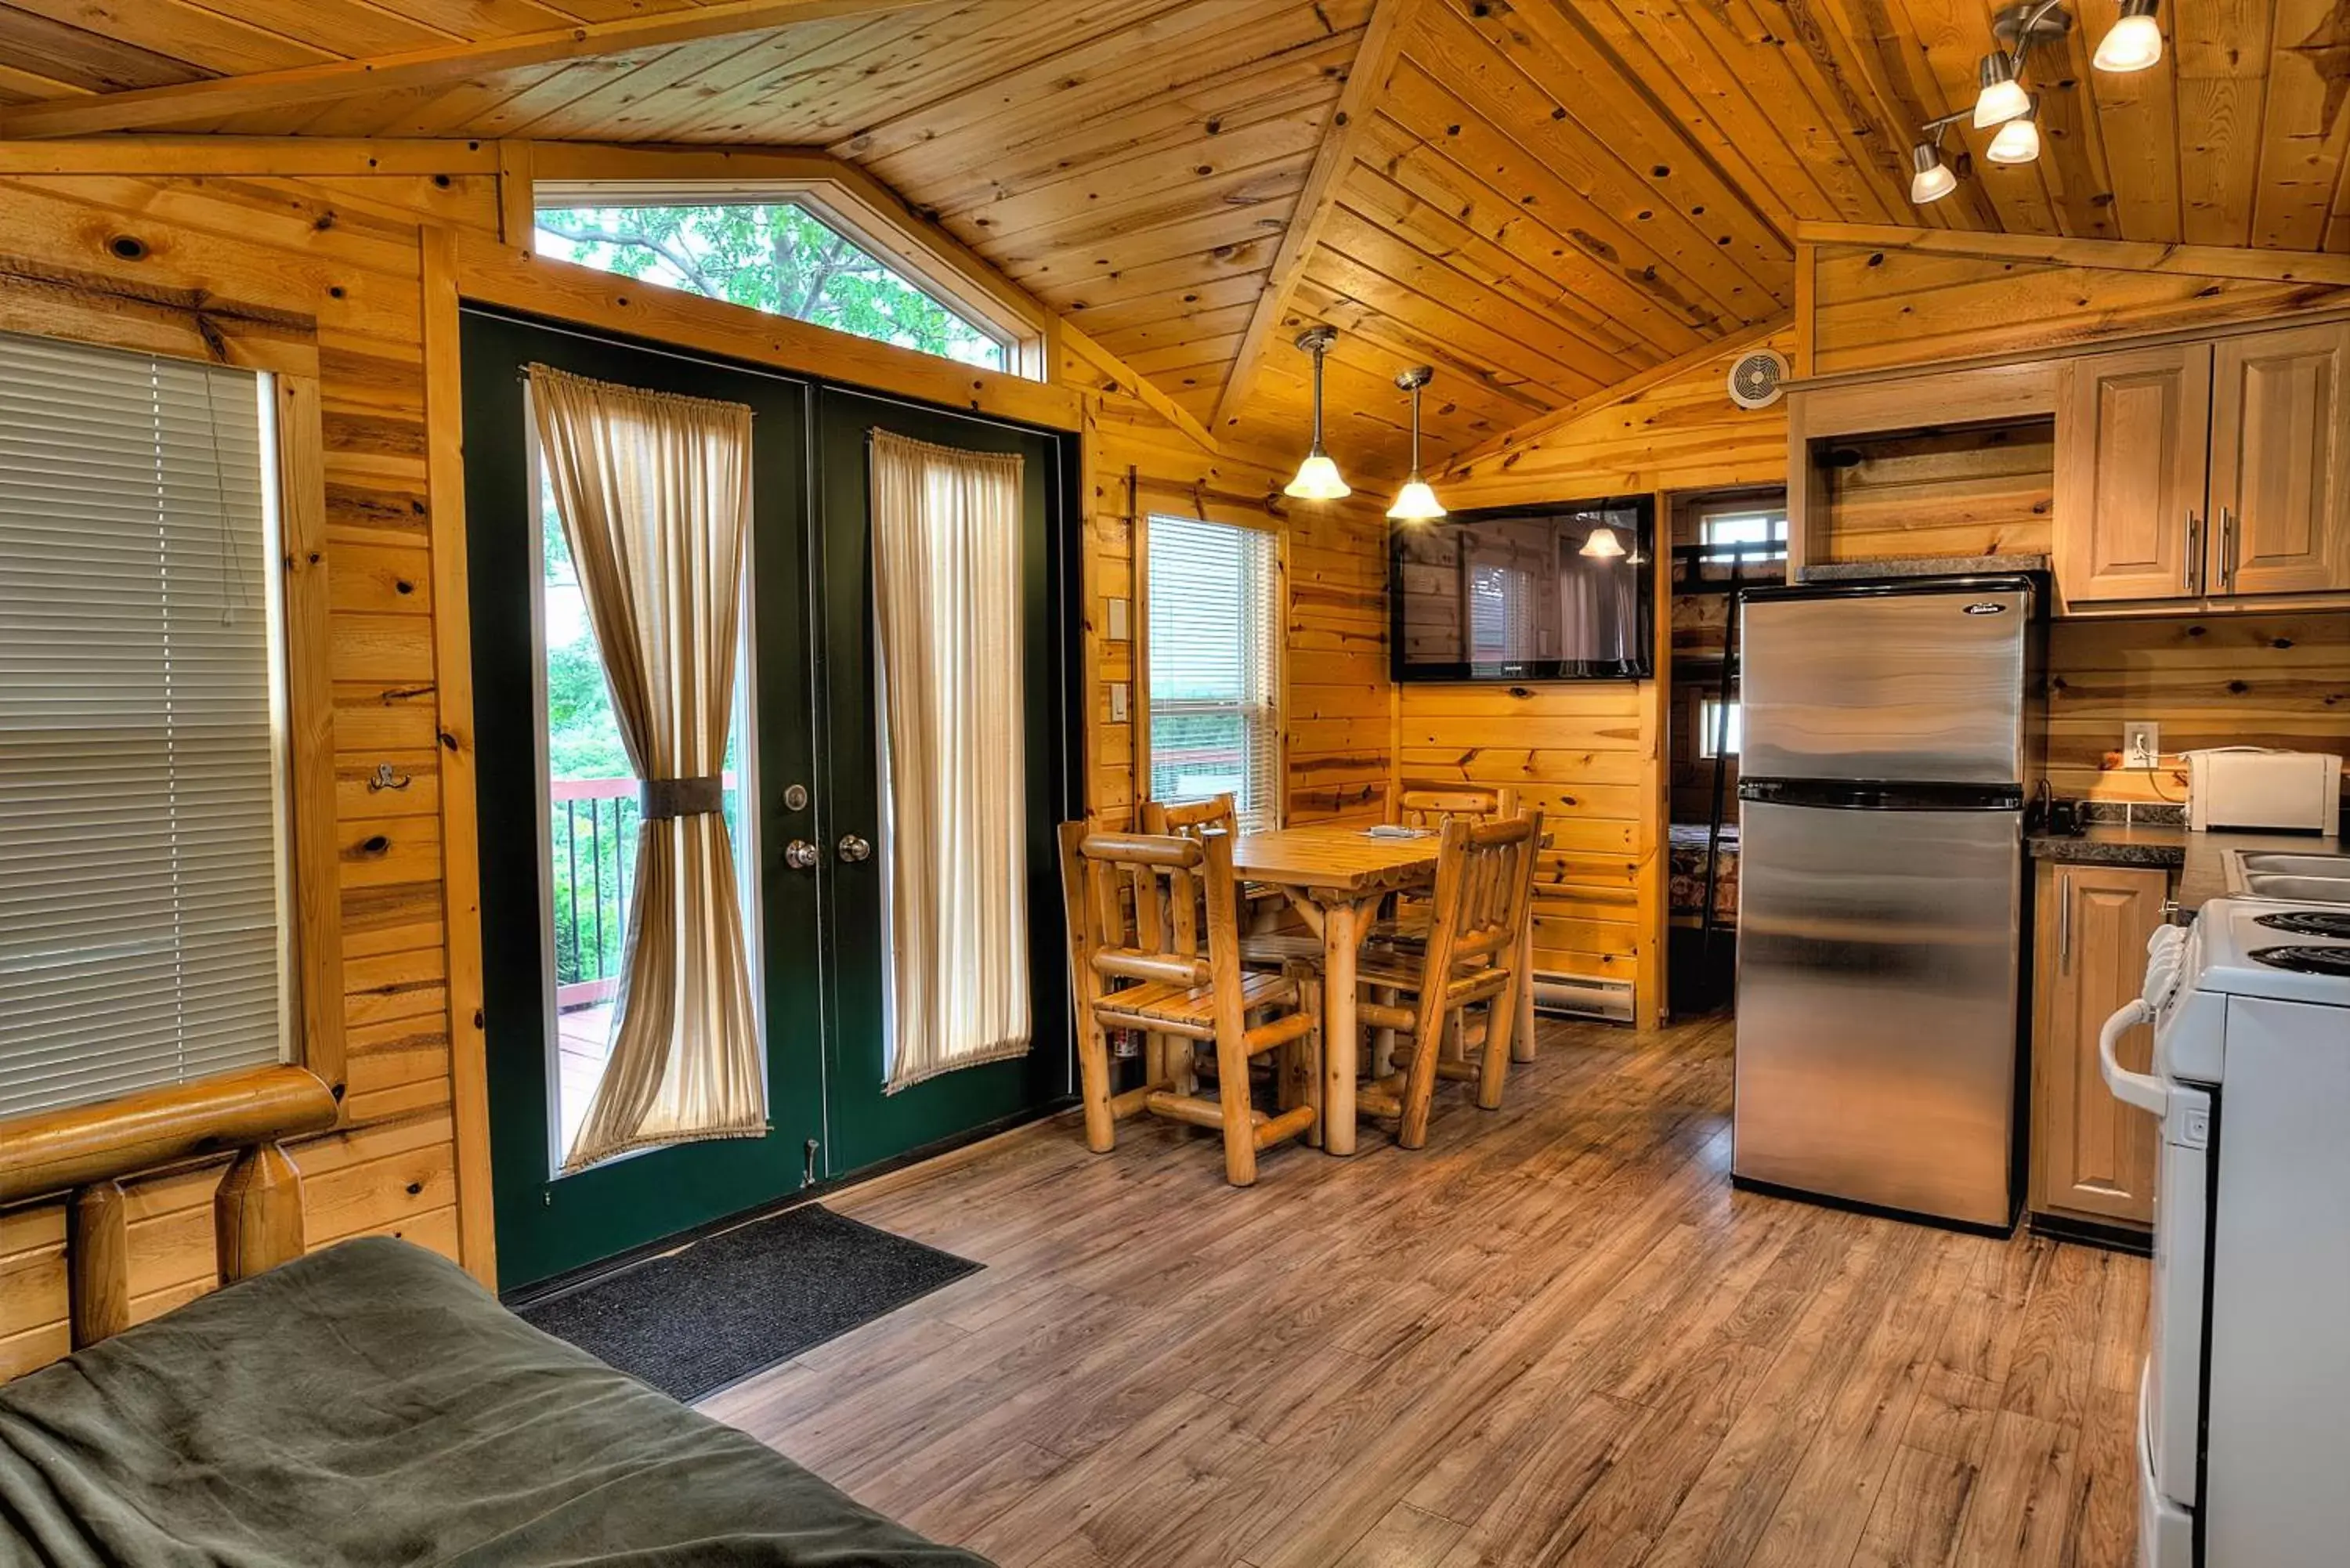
(2194, 565)
(2228, 549)
(2064, 923)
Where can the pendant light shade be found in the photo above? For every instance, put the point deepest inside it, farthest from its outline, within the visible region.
(1602, 542)
(2136, 41)
(1317, 477)
(1415, 502)
(2018, 140)
(2001, 96)
(1932, 179)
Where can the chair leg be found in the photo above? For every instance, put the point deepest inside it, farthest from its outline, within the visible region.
(1494, 1064)
(1522, 1042)
(1309, 1050)
(1419, 1084)
(1093, 1084)
(1232, 1100)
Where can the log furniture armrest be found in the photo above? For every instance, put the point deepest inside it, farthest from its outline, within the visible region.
(84, 1153)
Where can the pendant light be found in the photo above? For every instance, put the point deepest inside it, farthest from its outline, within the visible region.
(1601, 543)
(2018, 140)
(1931, 180)
(1317, 477)
(2136, 41)
(1415, 502)
(2001, 98)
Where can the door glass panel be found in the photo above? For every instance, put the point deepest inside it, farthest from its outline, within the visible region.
(593, 818)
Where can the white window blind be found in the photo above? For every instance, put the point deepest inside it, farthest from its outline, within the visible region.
(139, 850)
(1212, 627)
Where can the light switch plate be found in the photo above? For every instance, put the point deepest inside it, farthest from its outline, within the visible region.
(1117, 702)
(2141, 744)
(1119, 631)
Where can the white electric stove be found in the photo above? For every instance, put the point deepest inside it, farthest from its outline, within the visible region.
(2244, 1410)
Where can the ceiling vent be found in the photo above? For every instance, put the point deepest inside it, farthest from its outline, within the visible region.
(1755, 380)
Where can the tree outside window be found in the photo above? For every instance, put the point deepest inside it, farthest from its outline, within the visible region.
(777, 257)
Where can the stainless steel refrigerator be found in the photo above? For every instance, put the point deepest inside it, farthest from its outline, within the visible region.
(1892, 734)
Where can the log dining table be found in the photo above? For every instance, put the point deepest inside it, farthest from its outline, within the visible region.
(1336, 876)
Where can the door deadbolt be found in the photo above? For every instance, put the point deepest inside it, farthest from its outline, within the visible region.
(800, 855)
(795, 798)
(853, 848)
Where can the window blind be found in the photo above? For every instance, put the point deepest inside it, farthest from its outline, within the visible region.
(139, 852)
(1212, 627)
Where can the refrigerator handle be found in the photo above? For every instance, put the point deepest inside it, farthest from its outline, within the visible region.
(2140, 1089)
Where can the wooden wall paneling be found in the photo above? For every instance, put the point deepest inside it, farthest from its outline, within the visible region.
(1974, 490)
(2302, 133)
(2262, 680)
(235, 268)
(2220, 57)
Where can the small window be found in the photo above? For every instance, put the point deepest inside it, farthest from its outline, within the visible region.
(775, 257)
(1747, 536)
(1716, 727)
(1212, 637)
(141, 784)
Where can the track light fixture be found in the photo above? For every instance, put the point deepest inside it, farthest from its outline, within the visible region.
(2004, 104)
(1416, 502)
(1317, 477)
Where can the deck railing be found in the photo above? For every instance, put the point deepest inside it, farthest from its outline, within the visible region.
(595, 823)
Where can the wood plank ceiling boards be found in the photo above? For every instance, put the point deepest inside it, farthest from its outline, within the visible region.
(1547, 203)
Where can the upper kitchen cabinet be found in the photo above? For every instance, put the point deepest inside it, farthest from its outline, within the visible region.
(2133, 440)
(2281, 463)
(2210, 472)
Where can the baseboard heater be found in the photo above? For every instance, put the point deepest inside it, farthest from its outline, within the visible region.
(1608, 999)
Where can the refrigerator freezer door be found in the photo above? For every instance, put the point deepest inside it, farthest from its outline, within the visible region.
(1878, 981)
(1895, 686)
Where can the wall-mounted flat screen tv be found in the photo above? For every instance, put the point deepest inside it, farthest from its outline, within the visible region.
(1559, 592)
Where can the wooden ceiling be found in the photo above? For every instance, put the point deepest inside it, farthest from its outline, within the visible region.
(1543, 200)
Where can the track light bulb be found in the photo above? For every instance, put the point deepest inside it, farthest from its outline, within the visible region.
(2136, 41)
(1931, 180)
(2001, 98)
(2018, 142)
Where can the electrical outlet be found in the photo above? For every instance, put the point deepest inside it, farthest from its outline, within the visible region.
(2141, 742)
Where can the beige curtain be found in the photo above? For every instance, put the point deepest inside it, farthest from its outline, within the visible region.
(946, 590)
(655, 497)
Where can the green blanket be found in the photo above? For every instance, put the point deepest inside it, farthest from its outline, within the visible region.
(369, 1404)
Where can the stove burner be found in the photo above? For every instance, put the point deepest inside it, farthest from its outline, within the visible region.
(2306, 960)
(2308, 923)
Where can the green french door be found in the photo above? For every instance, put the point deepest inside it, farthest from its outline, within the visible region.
(867, 1126)
(555, 818)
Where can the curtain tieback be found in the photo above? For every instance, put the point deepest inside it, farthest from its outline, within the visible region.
(666, 798)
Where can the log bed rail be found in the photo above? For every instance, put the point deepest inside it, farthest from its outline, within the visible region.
(85, 1153)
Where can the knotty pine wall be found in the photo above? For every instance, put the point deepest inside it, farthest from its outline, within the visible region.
(182, 263)
(1593, 756)
(1337, 716)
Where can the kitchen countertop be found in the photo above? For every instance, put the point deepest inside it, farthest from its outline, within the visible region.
(2200, 858)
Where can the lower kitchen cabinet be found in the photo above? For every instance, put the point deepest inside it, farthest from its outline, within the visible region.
(2092, 1157)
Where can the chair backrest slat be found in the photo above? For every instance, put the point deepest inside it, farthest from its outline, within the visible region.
(1143, 906)
(1431, 803)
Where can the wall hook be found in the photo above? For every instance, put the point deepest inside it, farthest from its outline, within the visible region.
(385, 779)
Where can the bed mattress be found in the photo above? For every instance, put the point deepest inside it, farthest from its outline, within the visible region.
(369, 1404)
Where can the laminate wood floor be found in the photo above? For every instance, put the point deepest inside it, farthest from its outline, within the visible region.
(1555, 1335)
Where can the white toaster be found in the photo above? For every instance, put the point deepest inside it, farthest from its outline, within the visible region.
(2248, 786)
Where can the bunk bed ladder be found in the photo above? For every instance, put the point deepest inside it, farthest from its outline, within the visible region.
(1708, 922)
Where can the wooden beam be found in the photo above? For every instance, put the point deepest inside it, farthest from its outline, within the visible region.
(1375, 61)
(1129, 381)
(283, 157)
(219, 96)
(500, 274)
(1534, 430)
(2121, 255)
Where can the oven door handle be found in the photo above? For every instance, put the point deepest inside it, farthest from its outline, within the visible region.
(2140, 1089)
